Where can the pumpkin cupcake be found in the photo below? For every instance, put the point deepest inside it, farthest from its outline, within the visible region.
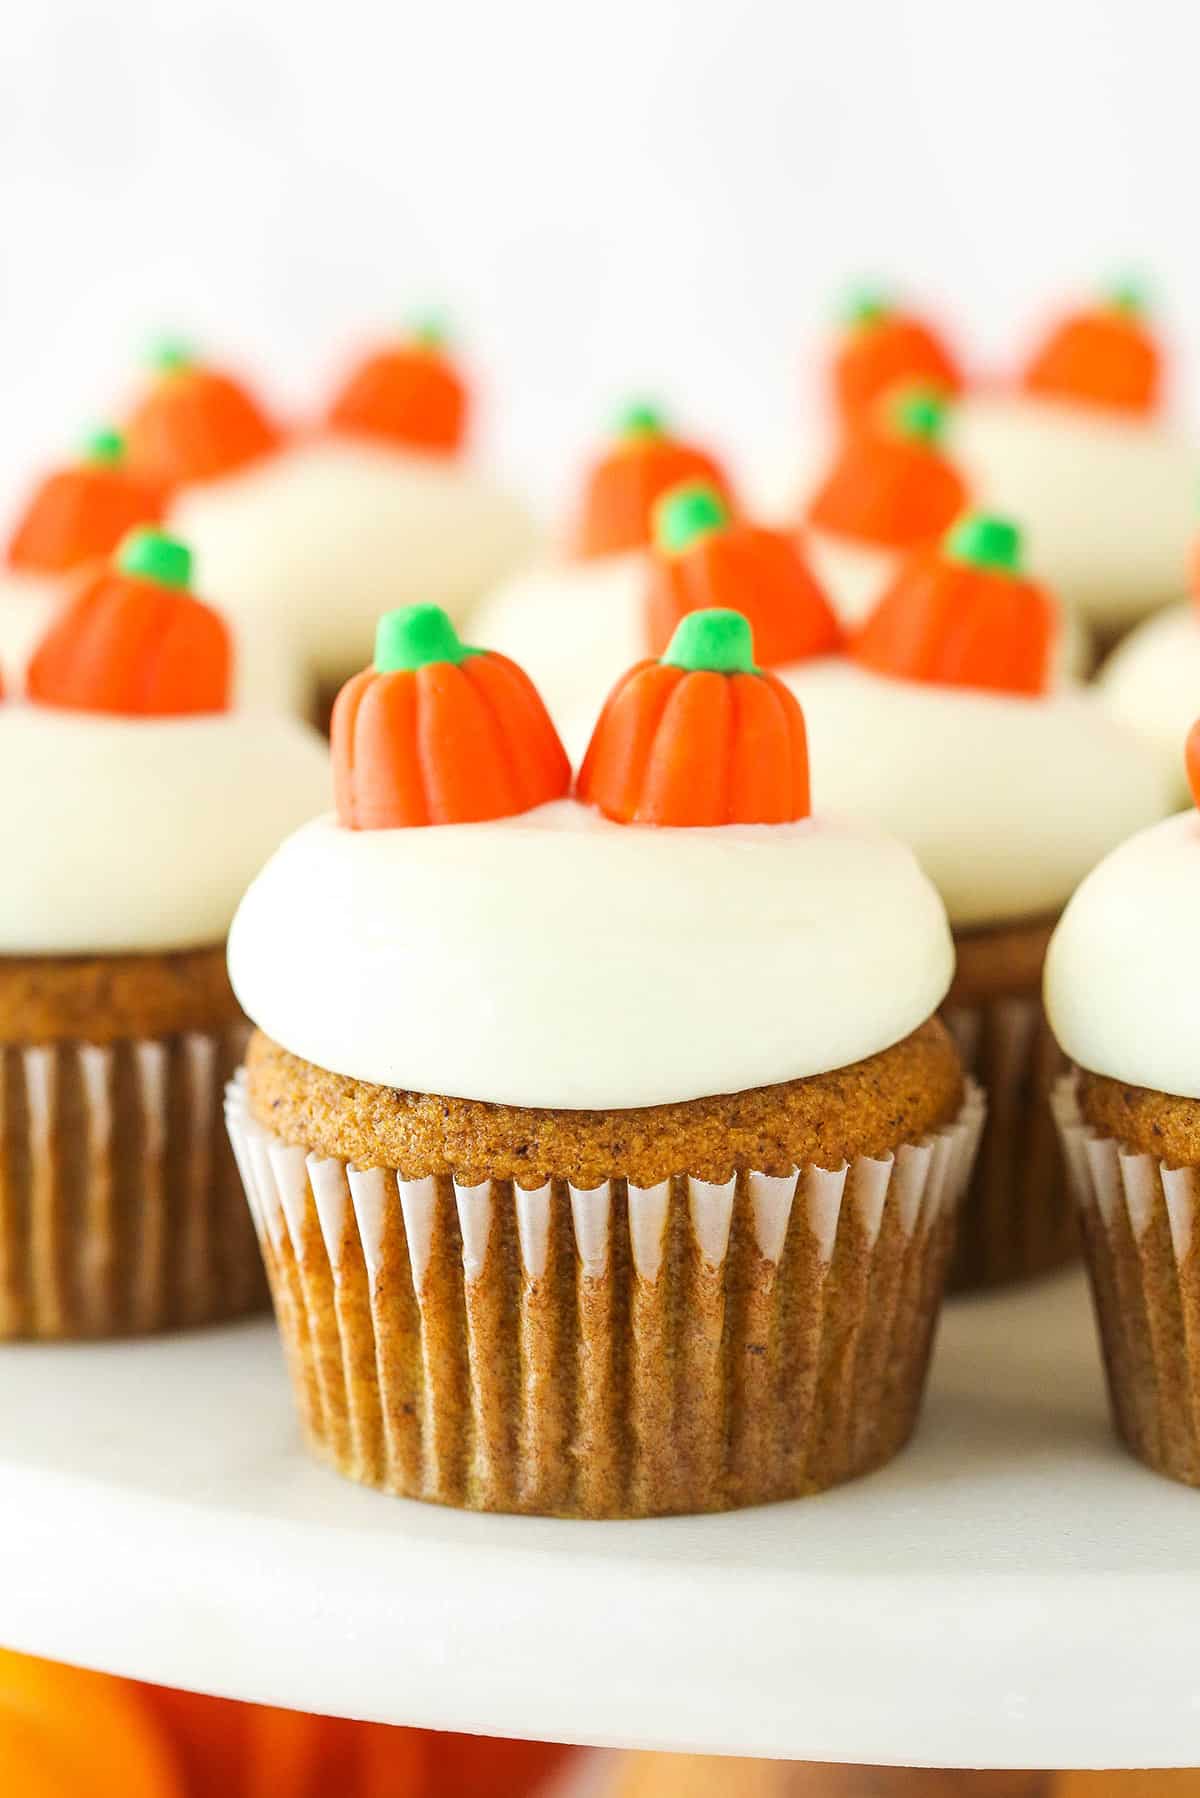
(626, 1218)
(1009, 790)
(1080, 451)
(133, 811)
(575, 622)
(377, 504)
(882, 347)
(1122, 999)
(1152, 679)
(889, 489)
(75, 517)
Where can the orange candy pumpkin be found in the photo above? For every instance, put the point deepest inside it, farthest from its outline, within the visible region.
(135, 641)
(408, 393)
(439, 733)
(704, 559)
(1192, 760)
(194, 423)
(67, 1731)
(964, 615)
(1103, 356)
(623, 487)
(699, 737)
(882, 347)
(80, 513)
(890, 485)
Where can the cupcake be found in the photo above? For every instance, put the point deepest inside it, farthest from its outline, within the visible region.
(1151, 681)
(576, 622)
(882, 347)
(890, 488)
(75, 517)
(606, 1156)
(1080, 452)
(134, 810)
(943, 725)
(378, 504)
(1120, 973)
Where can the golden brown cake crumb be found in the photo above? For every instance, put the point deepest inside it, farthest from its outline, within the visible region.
(1149, 1122)
(996, 963)
(865, 1109)
(105, 998)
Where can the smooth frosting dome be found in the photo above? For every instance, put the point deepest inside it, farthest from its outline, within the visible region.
(1107, 504)
(1007, 801)
(327, 535)
(1122, 983)
(1152, 683)
(557, 960)
(140, 835)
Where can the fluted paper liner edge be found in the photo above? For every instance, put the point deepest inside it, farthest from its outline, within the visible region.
(120, 1205)
(1138, 1214)
(619, 1351)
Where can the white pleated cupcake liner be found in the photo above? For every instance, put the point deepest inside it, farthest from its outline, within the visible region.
(1138, 1215)
(618, 1350)
(120, 1210)
(1018, 1217)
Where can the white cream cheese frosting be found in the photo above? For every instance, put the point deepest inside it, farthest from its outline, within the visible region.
(139, 835)
(1007, 801)
(1152, 683)
(558, 960)
(1122, 985)
(854, 574)
(329, 533)
(28, 603)
(1107, 505)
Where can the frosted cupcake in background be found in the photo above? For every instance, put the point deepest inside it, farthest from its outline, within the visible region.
(134, 807)
(1080, 451)
(575, 622)
(590, 1233)
(889, 488)
(1123, 997)
(74, 518)
(379, 504)
(946, 727)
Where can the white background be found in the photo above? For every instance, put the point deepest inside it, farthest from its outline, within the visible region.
(662, 195)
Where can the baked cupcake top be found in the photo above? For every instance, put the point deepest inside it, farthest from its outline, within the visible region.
(881, 346)
(681, 927)
(80, 512)
(194, 422)
(136, 805)
(944, 726)
(1122, 984)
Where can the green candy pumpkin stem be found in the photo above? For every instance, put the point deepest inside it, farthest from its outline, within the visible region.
(686, 514)
(865, 306)
(153, 556)
(104, 446)
(918, 414)
(1126, 296)
(171, 356)
(429, 331)
(413, 636)
(984, 540)
(715, 640)
(640, 421)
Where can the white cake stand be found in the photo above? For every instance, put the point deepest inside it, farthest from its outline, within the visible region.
(1012, 1592)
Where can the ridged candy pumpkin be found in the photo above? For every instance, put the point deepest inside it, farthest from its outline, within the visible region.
(67, 1731)
(890, 485)
(1103, 356)
(135, 641)
(194, 423)
(408, 392)
(82, 512)
(704, 558)
(699, 737)
(437, 732)
(882, 347)
(623, 487)
(964, 615)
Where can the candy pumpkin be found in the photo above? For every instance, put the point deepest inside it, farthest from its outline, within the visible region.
(704, 558)
(882, 347)
(1103, 356)
(622, 488)
(408, 393)
(700, 736)
(67, 1731)
(964, 615)
(135, 642)
(439, 733)
(890, 484)
(82, 512)
(194, 423)
(1192, 760)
